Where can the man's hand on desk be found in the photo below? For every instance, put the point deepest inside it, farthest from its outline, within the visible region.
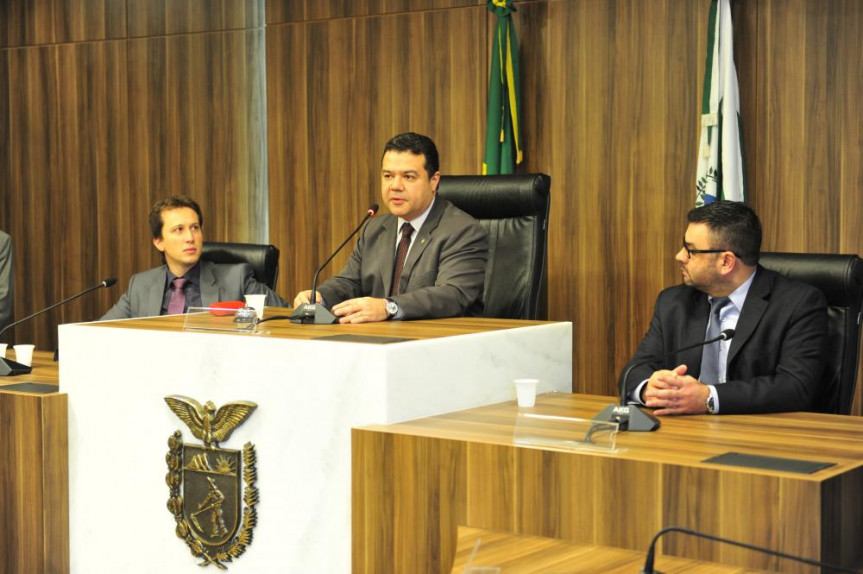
(675, 393)
(361, 310)
(303, 297)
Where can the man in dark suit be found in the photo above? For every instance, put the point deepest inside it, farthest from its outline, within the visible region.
(433, 268)
(6, 278)
(774, 361)
(184, 280)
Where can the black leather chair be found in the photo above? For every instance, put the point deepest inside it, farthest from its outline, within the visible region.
(514, 211)
(264, 259)
(840, 278)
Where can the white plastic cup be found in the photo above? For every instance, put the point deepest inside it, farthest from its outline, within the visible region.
(257, 302)
(525, 391)
(24, 354)
(3, 350)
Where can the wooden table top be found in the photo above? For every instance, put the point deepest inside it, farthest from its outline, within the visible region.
(45, 370)
(686, 440)
(428, 329)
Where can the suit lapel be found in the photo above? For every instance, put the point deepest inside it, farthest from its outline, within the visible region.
(753, 310)
(424, 236)
(210, 292)
(156, 294)
(384, 251)
(694, 330)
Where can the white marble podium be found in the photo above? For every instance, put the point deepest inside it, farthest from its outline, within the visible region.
(310, 393)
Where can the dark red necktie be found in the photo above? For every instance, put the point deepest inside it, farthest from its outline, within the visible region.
(401, 255)
(177, 304)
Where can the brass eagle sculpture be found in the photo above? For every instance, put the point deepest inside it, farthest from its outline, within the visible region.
(205, 422)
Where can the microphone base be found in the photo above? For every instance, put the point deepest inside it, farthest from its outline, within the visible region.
(9, 368)
(630, 417)
(312, 314)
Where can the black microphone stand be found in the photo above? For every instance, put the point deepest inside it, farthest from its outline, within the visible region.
(651, 552)
(312, 312)
(10, 368)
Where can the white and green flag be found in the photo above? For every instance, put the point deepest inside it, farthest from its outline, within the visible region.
(720, 174)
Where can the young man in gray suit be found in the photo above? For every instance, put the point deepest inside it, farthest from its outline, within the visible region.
(184, 280)
(434, 268)
(773, 362)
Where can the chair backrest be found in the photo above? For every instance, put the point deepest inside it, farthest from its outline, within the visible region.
(840, 278)
(514, 211)
(264, 259)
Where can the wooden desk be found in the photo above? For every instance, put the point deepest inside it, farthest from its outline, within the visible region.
(518, 554)
(415, 482)
(34, 501)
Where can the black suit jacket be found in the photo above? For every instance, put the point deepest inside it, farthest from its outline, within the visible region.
(775, 361)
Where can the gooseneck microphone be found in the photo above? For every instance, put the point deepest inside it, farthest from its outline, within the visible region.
(651, 552)
(9, 367)
(630, 417)
(313, 312)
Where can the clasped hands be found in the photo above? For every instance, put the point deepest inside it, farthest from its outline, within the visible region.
(675, 393)
(359, 310)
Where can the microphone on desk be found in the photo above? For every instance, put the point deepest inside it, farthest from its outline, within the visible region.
(9, 367)
(651, 552)
(632, 418)
(315, 313)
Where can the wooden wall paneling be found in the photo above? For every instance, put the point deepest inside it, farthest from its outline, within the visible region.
(198, 122)
(149, 18)
(26, 23)
(29, 23)
(92, 167)
(355, 92)
(88, 20)
(34, 180)
(281, 11)
(292, 207)
(621, 155)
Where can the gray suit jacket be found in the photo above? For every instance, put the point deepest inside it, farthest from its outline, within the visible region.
(443, 275)
(6, 278)
(219, 282)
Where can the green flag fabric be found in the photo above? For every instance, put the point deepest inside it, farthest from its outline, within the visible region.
(720, 173)
(502, 131)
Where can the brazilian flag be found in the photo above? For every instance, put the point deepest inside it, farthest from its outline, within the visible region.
(502, 136)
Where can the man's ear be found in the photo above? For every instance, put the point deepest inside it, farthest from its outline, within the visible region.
(435, 180)
(728, 262)
(157, 243)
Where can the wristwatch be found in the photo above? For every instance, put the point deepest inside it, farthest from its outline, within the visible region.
(710, 405)
(392, 308)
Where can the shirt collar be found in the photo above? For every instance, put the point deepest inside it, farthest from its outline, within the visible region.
(193, 275)
(738, 296)
(417, 222)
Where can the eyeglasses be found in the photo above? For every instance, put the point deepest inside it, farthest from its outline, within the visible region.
(690, 252)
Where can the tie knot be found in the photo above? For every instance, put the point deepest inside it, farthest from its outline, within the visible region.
(407, 230)
(179, 283)
(717, 304)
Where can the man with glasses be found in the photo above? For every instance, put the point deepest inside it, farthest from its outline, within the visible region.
(774, 361)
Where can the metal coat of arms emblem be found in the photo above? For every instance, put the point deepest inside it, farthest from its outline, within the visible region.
(215, 515)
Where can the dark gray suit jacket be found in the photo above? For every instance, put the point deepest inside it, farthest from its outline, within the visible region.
(775, 361)
(219, 282)
(7, 290)
(443, 275)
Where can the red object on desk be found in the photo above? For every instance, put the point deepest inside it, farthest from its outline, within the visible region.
(225, 308)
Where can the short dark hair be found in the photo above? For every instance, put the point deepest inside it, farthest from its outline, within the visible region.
(168, 203)
(734, 225)
(416, 144)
